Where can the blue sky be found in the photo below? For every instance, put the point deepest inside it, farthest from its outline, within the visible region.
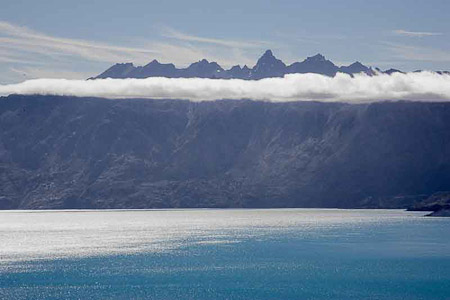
(78, 39)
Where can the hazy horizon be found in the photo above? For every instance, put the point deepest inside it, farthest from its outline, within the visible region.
(77, 40)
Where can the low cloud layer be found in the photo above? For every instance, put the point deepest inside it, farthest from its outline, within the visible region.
(423, 86)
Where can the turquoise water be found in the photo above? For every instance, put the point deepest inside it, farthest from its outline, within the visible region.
(224, 254)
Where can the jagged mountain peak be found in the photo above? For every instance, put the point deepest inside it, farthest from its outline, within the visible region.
(268, 57)
(157, 63)
(153, 63)
(122, 66)
(355, 68)
(314, 64)
(205, 63)
(203, 69)
(356, 64)
(200, 62)
(268, 54)
(316, 58)
(268, 66)
(392, 71)
(119, 70)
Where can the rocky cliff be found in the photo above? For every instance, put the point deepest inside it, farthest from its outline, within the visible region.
(67, 152)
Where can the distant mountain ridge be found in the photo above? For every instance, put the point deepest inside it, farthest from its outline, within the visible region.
(267, 66)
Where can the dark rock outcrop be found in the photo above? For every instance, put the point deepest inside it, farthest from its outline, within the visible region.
(67, 152)
(438, 203)
(444, 212)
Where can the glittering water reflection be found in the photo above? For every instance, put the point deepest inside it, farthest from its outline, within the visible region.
(224, 254)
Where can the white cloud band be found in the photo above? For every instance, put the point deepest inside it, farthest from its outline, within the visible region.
(422, 86)
(415, 33)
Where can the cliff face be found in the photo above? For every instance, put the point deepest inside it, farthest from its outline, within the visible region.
(67, 152)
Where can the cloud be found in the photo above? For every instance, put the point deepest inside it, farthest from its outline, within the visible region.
(18, 39)
(33, 72)
(419, 53)
(24, 39)
(172, 33)
(423, 86)
(415, 33)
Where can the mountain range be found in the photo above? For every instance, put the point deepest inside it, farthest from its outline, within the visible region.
(266, 66)
(69, 152)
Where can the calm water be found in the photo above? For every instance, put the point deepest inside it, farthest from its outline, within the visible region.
(224, 254)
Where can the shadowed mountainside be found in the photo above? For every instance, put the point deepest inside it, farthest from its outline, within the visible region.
(68, 152)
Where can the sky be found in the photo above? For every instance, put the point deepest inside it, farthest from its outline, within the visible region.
(78, 39)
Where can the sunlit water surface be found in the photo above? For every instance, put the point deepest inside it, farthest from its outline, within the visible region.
(224, 254)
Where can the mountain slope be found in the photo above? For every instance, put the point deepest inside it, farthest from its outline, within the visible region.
(66, 152)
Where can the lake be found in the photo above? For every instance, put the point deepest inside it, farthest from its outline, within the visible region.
(224, 254)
